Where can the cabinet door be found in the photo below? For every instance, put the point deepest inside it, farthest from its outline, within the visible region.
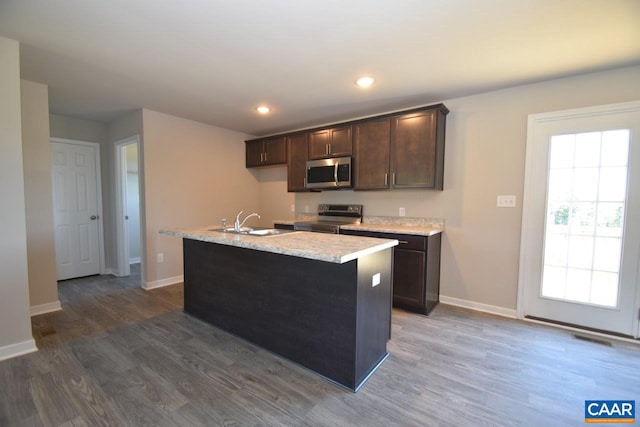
(319, 144)
(340, 143)
(296, 162)
(413, 144)
(254, 153)
(371, 148)
(275, 151)
(409, 279)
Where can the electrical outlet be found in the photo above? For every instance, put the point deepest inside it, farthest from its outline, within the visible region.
(375, 280)
(401, 212)
(160, 257)
(506, 202)
(306, 208)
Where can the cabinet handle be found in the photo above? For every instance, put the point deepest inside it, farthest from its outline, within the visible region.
(403, 242)
(394, 178)
(261, 157)
(265, 157)
(326, 149)
(386, 179)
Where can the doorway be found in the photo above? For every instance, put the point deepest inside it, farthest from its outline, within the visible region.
(580, 249)
(77, 208)
(128, 216)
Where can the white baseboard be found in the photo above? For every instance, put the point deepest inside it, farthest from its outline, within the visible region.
(163, 282)
(134, 260)
(45, 308)
(477, 306)
(18, 349)
(109, 271)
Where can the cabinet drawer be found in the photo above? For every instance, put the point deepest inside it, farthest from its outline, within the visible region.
(406, 241)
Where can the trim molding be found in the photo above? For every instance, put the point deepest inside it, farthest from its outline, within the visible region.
(163, 282)
(45, 308)
(477, 306)
(18, 349)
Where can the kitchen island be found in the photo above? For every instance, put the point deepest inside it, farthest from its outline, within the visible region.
(322, 301)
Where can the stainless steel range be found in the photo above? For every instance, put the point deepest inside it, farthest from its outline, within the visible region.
(330, 218)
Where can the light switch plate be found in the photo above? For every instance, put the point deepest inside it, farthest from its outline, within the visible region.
(506, 201)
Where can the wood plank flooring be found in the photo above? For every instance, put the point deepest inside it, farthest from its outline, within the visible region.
(119, 355)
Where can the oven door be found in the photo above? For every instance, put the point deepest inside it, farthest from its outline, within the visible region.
(316, 227)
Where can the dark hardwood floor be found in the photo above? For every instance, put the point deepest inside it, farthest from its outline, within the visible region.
(119, 355)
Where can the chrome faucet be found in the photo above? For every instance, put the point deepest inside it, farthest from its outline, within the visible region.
(237, 225)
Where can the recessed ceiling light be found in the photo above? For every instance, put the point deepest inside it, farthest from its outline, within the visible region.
(365, 81)
(263, 109)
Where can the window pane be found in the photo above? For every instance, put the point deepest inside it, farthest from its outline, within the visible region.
(560, 184)
(610, 217)
(604, 289)
(562, 151)
(553, 283)
(578, 285)
(613, 184)
(585, 184)
(587, 149)
(615, 148)
(580, 252)
(607, 254)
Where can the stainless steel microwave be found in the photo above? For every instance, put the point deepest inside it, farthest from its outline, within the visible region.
(329, 173)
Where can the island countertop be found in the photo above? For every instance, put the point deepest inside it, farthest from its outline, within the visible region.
(335, 248)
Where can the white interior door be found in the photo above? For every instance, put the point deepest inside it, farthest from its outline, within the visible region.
(581, 219)
(75, 204)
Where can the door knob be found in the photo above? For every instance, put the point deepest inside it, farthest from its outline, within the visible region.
(93, 217)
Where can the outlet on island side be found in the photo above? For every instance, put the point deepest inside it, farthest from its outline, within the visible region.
(160, 258)
(401, 212)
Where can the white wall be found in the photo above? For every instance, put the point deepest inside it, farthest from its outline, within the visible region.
(15, 324)
(133, 201)
(193, 175)
(36, 149)
(484, 157)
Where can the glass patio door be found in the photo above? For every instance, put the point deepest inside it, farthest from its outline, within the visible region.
(581, 238)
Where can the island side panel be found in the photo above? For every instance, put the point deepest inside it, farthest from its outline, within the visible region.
(374, 311)
(302, 309)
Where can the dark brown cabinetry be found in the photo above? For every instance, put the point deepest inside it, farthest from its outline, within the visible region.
(416, 270)
(333, 142)
(297, 154)
(397, 150)
(371, 150)
(417, 150)
(266, 152)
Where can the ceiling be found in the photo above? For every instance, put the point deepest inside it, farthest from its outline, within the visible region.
(215, 61)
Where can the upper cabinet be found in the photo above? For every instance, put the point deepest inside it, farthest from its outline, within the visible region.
(332, 142)
(371, 149)
(297, 154)
(400, 151)
(266, 152)
(417, 149)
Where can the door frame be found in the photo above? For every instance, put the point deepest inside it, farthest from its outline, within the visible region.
(96, 149)
(531, 195)
(122, 231)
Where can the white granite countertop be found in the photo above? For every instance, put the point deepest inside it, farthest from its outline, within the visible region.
(394, 228)
(334, 248)
(398, 225)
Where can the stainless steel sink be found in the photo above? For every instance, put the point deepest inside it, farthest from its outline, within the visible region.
(253, 231)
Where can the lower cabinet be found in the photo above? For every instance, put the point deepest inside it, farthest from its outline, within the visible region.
(416, 269)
